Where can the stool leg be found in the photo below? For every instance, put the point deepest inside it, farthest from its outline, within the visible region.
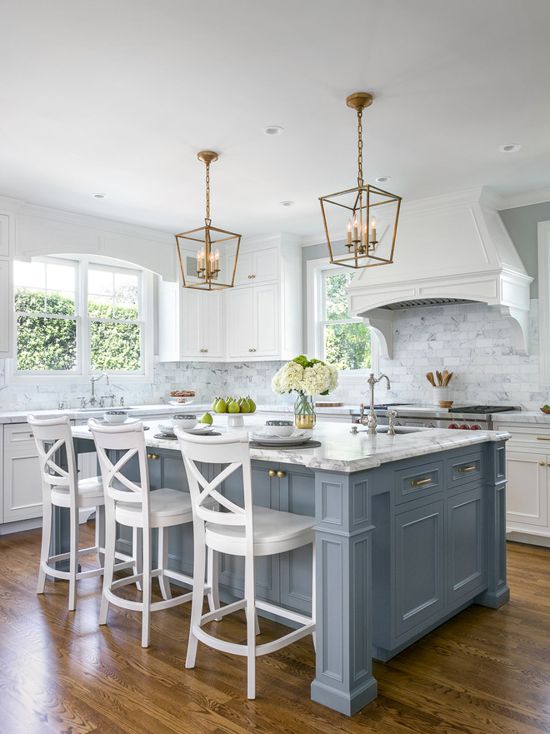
(164, 582)
(73, 559)
(137, 552)
(146, 612)
(45, 546)
(110, 539)
(250, 596)
(99, 525)
(212, 579)
(198, 592)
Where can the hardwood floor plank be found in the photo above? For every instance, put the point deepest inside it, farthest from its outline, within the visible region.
(485, 671)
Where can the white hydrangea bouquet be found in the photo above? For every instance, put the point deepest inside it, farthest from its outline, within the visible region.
(307, 377)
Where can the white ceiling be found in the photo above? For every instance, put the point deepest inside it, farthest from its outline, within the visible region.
(117, 97)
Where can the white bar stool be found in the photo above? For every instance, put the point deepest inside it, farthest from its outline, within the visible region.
(133, 504)
(242, 531)
(61, 488)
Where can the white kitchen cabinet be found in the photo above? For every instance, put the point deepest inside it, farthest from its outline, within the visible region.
(253, 322)
(528, 483)
(21, 474)
(257, 266)
(259, 319)
(191, 324)
(6, 308)
(4, 236)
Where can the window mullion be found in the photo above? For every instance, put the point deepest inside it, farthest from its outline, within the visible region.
(83, 321)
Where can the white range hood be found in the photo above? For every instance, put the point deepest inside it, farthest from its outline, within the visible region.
(449, 249)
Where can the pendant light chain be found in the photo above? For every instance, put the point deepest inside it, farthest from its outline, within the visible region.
(359, 147)
(207, 218)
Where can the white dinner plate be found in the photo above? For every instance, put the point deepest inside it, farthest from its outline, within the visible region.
(200, 430)
(269, 440)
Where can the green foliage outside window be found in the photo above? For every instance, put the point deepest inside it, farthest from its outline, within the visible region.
(348, 344)
(50, 344)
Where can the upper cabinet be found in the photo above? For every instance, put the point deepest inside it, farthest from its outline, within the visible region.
(6, 291)
(4, 236)
(191, 324)
(259, 319)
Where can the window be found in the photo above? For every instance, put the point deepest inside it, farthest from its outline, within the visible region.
(333, 334)
(79, 317)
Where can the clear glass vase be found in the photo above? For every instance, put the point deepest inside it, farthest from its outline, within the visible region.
(304, 411)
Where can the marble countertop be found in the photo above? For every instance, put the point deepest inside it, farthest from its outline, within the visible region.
(522, 416)
(340, 450)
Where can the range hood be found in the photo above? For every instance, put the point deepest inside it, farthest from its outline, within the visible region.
(450, 249)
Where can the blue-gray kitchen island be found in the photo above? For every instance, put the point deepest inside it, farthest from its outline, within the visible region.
(410, 530)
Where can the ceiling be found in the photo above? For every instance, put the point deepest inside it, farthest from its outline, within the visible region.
(117, 97)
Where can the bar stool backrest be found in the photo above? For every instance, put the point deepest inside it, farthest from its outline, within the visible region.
(129, 441)
(200, 452)
(51, 436)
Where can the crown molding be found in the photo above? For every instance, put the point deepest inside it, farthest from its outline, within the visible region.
(528, 198)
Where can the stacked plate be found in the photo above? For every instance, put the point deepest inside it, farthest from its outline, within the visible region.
(296, 438)
(199, 430)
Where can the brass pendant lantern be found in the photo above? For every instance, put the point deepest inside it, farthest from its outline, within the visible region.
(203, 265)
(366, 216)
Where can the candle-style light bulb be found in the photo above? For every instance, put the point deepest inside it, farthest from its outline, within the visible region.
(373, 231)
(355, 230)
(348, 237)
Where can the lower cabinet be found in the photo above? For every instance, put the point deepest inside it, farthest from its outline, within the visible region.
(420, 577)
(21, 474)
(527, 490)
(466, 573)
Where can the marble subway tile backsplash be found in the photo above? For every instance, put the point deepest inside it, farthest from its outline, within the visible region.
(473, 340)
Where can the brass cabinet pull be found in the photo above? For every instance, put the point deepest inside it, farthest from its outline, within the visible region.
(543, 438)
(251, 277)
(251, 350)
(153, 457)
(281, 474)
(543, 463)
(271, 473)
(421, 482)
(466, 469)
(204, 350)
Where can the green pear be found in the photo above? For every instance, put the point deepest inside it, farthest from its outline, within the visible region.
(233, 407)
(214, 403)
(251, 405)
(245, 406)
(221, 406)
(207, 419)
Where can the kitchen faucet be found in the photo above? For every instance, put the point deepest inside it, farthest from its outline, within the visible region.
(371, 418)
(93, 400)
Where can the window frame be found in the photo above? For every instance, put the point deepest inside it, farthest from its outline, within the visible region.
(316, 322)
(83, 369)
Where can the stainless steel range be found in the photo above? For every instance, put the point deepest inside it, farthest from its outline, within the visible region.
(464, 417)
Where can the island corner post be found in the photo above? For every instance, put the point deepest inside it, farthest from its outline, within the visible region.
(401, 548)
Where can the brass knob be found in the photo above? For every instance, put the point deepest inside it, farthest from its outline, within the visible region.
(153, 457)
(542, 463)
(251, 277)
(271, 473)
(281, 474)
(204, 350)
(251, 350)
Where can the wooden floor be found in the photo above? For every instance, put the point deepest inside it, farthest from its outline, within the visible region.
(485, 671)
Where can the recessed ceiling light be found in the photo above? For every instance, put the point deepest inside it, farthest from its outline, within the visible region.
(274, 130)
(383, 179)
(509, 148)
(287, 203)
(99, 196)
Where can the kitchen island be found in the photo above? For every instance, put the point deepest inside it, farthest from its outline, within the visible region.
(410, 530)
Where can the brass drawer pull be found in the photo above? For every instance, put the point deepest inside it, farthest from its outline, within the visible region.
(153, 457)
(281, 474)
(271, 473)
(543, 438)
(467, 469)
(421, 482)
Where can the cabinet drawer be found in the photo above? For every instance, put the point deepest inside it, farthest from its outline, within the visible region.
(18, 436)
(419, 481)
(464, 469)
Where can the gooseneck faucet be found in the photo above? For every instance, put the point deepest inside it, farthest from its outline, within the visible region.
(371, 418)
(93, 400)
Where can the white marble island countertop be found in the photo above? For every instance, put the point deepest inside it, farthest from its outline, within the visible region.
(341, 450)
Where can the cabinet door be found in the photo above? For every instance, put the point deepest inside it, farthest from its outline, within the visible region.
(419, 566)
(245, 269)
(266, 301)
(22, 481)
(4, 242)
(466, 554)
(527, 489)
(259, 266)
(240, 331)
(6, 307)
(210, 325)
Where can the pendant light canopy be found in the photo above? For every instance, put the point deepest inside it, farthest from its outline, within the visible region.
(208, 255)
(364, 217)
